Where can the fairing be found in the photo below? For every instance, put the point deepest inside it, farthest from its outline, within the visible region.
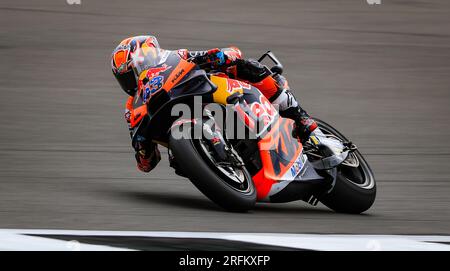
(282, 157)
(165, 78)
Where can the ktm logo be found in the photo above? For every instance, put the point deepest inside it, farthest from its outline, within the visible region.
(177, 75)
(284, 150)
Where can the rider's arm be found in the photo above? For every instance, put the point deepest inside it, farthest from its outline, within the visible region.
(213, 59)
(229, 59)
(146, 152)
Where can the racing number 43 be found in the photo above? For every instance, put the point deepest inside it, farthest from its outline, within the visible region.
(153, 86)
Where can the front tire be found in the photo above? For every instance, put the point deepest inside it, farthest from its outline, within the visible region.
(208, 180)
(355, 189)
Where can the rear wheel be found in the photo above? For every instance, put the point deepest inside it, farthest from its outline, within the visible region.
(355, 189)
(229, 186)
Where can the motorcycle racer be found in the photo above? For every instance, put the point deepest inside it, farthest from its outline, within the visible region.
(228, 61)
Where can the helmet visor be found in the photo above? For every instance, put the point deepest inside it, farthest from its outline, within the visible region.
(127, 82)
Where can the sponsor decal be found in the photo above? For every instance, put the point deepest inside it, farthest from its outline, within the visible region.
(298, 165)
(264, 110)
(154, 81)
(234, 85)
(177, 75)
(157, 70)
(198, 53)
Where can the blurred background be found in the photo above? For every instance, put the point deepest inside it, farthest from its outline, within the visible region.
(379, 73)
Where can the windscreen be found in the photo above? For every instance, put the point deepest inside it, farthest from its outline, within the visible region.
(147, 57)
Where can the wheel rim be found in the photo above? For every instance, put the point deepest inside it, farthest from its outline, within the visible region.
(234, 177)
(355, 170)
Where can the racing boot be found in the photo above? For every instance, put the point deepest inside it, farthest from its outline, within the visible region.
(290, 108)
(304, 125)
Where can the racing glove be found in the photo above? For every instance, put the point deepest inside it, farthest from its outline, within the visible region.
(213, 59)
(251, 70)
(147, 157)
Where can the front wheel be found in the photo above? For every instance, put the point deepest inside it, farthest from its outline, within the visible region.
(355, 189)
(229, 187)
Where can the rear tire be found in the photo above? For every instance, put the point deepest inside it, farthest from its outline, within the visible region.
(347, 195)
(208, 181)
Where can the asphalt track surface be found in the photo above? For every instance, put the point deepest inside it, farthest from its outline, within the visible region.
(380, 74)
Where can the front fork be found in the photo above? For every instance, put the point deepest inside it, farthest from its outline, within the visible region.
(213, 136)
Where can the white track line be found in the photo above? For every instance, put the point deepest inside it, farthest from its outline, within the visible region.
(341, 242)
(11, 241)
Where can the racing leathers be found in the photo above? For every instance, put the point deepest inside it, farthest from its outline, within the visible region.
(230, 62)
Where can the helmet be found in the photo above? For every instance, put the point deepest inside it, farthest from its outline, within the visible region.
(122, 60)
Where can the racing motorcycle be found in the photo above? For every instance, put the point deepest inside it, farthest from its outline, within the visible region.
(271, 165)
